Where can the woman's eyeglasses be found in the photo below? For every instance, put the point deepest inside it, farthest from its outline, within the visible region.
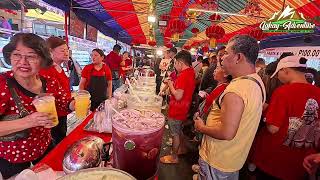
(29, 58)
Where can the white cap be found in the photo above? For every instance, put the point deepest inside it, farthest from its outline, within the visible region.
(287, 62)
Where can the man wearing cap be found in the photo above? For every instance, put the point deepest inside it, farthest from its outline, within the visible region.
(292, 128)
(114, 61)
(234, 116)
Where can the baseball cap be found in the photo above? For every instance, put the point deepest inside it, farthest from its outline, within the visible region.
(287, 62)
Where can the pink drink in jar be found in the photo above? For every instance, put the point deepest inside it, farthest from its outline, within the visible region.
(137, 141)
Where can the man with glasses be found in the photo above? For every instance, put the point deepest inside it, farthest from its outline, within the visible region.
(181, 91)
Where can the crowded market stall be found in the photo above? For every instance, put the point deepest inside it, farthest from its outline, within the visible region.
(117, 116)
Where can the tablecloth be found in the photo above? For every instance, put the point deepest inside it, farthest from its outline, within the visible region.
(55, 157)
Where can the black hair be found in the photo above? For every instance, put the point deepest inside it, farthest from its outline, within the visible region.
(31, 41)
(302, 69)
(200, 58)
(184, 56)
(221, 48)
(117, 47)
(260, 61)
(246, 45)
(285, 54)
(229, 78)
(126, 52)
(206, 61)
(99, 51)
(174, 50)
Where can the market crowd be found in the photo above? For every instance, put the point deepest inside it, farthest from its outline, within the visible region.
(244, 113)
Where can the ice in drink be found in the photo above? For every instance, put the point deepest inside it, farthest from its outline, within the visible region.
(82, 102)
(46, 103)
(137, 142)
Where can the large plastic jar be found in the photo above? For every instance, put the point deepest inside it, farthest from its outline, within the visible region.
(137, 142)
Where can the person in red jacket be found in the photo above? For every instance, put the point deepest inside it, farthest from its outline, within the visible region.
(60, 54)
(181, 91)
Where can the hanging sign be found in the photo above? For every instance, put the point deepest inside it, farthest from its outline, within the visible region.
(287, 21)
(92, 33)
(312, 52)
(76, 26)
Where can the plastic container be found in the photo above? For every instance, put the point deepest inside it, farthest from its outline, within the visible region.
(98, 174)
(149, 102)
(137, 141)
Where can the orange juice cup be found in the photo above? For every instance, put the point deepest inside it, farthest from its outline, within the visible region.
(82, 99)
(46, 103)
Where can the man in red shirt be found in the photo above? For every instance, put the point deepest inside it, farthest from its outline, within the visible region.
(114, 61)
(292, 128)
(181, 91)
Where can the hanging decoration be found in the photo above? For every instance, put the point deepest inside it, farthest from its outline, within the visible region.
(207, 4)
(175, 37)
(215, 17)
(252, 8)
(214, 32)
(176, 27)
(205, 49)
(152, 43)
(192, 16)
(187, 47)
(195, 31)
(169, 45)
(256, 33)
(164, 17)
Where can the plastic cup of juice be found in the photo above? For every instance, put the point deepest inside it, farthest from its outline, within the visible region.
(82, 103)
(46, 103)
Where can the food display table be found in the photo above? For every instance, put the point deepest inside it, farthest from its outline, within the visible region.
(55, 157)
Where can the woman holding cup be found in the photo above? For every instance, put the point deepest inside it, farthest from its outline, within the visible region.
(60, 54)
(25, 133)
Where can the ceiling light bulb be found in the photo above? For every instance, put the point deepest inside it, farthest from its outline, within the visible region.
(151, 18)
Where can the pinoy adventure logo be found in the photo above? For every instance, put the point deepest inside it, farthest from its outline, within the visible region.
(287, 21)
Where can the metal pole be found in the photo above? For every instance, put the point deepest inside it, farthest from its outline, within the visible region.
(22, 15)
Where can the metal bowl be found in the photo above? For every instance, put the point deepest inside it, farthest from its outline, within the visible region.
(98, 174)
(83, 154)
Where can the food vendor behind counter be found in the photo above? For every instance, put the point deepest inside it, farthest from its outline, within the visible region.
(97, 79)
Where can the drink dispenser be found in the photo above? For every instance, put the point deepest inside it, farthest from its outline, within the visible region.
(137, 141)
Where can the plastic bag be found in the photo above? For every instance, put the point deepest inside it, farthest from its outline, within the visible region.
(103, 116)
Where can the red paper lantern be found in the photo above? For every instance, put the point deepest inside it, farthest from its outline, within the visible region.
(152, 43)
(205, 49)
(215, 31)
(165, 17)
(257, 34)
(215, 17)
(176, 26)
(187, 47)
(195, 30)
(201, 1)
(169, 45)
